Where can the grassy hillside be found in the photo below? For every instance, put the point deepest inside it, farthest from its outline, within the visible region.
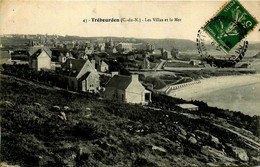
(99, 132)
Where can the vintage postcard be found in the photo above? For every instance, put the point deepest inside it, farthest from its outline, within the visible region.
(129, 83)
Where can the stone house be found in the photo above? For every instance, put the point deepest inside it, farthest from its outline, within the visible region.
(125, 47)
(80, 75)
(103, 66)
(195, 62)
(89, 50)
(166, 54)
(127, 89)
(57, 58)
(146, 64)
(40, 58)
(175, 53)
(100, 46)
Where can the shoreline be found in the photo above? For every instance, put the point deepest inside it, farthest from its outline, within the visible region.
(209, 85)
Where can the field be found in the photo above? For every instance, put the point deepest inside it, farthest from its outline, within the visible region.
(98, 132)
(4, 56)
(16, 42)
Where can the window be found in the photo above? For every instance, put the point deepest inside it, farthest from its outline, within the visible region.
(147, 97)
(122, 97)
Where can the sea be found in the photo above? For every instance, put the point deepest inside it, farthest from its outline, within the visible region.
(245, 99)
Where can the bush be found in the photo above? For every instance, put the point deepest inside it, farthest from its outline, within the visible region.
(87, 130)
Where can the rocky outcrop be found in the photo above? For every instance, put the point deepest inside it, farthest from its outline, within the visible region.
(205, 137)
(216, 156)
(192, 140)
(238, 153)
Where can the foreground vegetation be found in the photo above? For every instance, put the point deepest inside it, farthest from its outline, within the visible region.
(98, 132)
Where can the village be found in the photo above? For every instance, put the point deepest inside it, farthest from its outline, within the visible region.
(126, 70)
(99, 66)
(109, 102)
(129, 83)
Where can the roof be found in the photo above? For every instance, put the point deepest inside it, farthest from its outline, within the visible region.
(77, 65)
(119, 82)
(97, 58)
(187, 106)
(103, 63)
(156, 52)
(39, 51)
(84, 76)
(33, 50)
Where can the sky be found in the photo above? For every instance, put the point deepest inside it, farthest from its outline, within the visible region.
(66, 18)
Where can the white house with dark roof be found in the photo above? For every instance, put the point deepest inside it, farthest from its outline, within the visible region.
(40, 58)
(127, 89)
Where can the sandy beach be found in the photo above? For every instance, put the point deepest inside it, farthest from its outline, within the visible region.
(214, 84)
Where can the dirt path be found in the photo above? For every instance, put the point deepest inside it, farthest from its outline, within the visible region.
(160, 65)
(239, 135)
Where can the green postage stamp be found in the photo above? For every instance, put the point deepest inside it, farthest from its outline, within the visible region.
(230, 25)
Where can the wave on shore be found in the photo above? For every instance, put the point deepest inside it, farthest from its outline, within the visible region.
(228, 92)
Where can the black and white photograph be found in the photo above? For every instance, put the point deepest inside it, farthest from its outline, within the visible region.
(129, 83)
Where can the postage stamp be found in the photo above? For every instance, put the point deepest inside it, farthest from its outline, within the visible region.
(210, 51)
(230, 25)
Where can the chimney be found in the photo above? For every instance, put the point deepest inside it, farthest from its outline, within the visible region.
(135, 77)
(93, 62)
(113, 73)
(70, 65)
(67, 54)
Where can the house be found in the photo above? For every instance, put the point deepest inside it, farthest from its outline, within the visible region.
(150, 47)
(100, 46)
(175, 53)
(111, 50)
(69, 55)
(146, 64)
(190, 107)
(166, 54)
(103, 67)
(40, 58)
(195, 62)
(109, 45)
(156, 54)
(89, 50)
(57, 58)
(80, 75)
(62, 58)
(125, 47)
(127, 89)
